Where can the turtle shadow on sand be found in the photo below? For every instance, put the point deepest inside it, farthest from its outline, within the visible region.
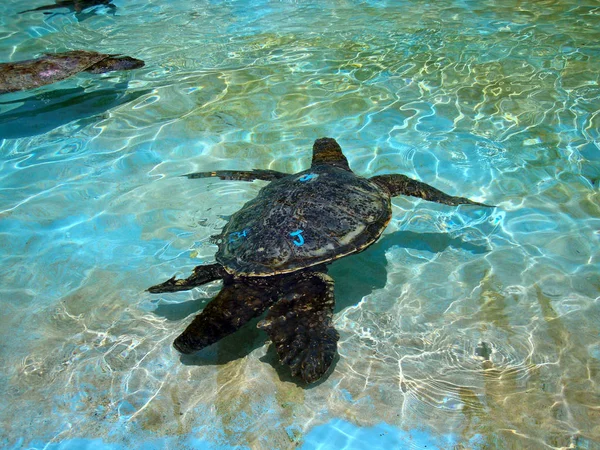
(274, 252)
(351, 287)
(361, 274)
(43, 112)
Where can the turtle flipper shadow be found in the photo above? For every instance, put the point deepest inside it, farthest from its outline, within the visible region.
(397, 184)
(300, 325)
(200, 276)
(240, 175)
(239, 301)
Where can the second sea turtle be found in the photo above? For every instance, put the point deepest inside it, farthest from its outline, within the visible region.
(50, 68)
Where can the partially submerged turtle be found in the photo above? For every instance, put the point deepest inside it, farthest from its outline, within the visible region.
(76, 6)
(50, 68)
(273, 254)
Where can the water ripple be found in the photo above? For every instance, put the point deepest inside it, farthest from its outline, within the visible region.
(477, 328)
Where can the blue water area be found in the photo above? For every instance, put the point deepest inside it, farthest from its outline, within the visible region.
(461, 327)
(344, 435)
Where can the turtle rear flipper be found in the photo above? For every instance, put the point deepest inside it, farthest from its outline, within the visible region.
(397, 184)
(300, 325)
(240, 175)
(239, 301)
(201, 275)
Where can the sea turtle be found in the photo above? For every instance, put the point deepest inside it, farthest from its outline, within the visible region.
(273, 254)
(50, 68)
(76, 6)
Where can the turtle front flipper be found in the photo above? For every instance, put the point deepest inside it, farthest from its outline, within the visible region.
(240, 300)
(300, 325)
(397, 184)
(240, 175)
(200, 276)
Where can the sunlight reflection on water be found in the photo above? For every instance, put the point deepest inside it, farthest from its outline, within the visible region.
(461, 326)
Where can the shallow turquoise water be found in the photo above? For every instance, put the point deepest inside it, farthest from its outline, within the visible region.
(461, 328)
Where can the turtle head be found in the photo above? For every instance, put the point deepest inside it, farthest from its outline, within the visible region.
(328, 151)
(115, 62)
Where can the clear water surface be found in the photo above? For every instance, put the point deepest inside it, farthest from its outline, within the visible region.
(461, 328)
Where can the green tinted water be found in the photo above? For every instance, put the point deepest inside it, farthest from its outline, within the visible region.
(461, 327)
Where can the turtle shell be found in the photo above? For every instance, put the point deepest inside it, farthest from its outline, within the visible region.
(50, 68)
(304, 219)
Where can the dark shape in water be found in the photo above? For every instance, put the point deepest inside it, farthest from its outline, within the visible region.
(274, 251)
(42, 112)
(76, 6)
(483, 350)
(50, 68)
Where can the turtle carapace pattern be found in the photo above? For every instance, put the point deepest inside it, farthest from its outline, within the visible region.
(50, 68)
(273, 254)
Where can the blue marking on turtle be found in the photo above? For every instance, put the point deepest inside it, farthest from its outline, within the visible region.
(237, 235)
(307, 177)
(300, 241)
